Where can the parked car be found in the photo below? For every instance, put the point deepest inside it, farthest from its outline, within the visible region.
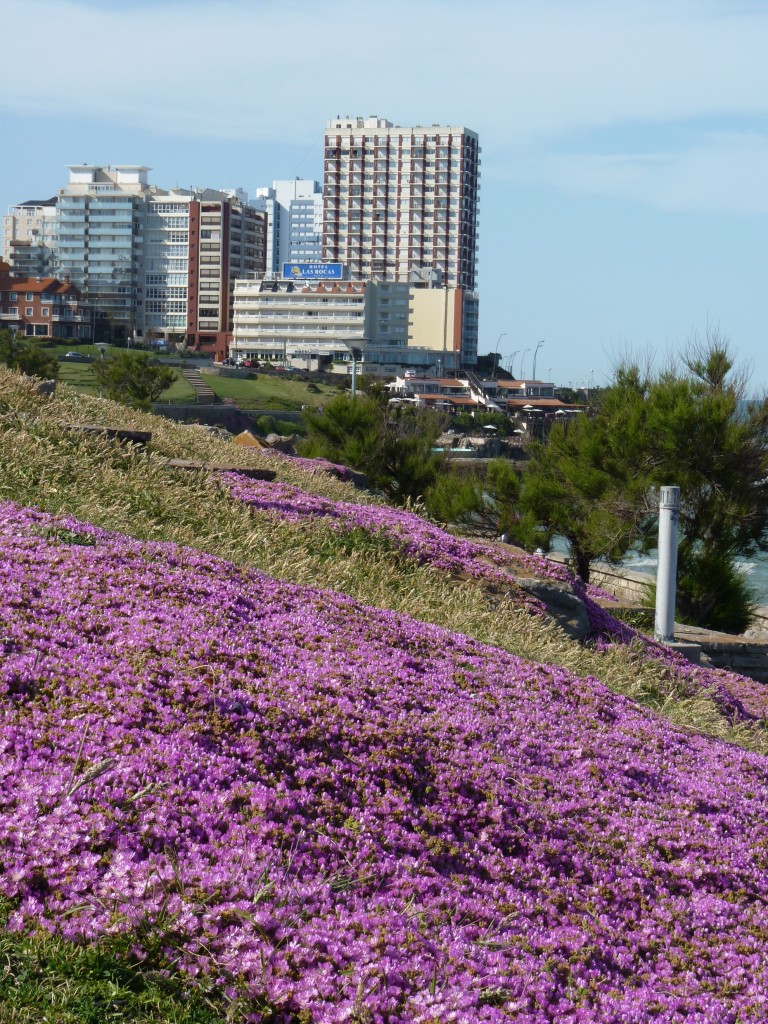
(76, 357)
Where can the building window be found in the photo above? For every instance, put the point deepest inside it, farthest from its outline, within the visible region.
(45, 311)
(29, 311)
(29, 296)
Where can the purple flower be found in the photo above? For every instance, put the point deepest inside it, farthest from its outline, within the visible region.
(337, 809)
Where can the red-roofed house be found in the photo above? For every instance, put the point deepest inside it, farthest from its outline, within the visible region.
(43, 307)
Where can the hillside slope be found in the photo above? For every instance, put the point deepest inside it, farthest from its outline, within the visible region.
(333, 764)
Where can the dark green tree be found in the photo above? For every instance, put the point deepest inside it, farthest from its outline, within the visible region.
(133, 378)
(706, 437)
(20, 354)
(11, 345)
(689, 425)
(393, 447)
(483, 499)
(579, 484)
(468, 423)
(36, 362)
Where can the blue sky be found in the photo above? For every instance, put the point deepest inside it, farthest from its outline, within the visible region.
(624, 199)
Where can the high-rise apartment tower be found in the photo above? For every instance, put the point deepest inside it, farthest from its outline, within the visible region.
(28, 237)
(157, 262)
(399, 198)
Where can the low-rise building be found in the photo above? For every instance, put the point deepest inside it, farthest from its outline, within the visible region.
(298, 324)
(449, 394)
(43, 307)
(397, 326)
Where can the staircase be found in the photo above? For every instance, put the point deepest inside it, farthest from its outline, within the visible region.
(204, 394)
(476, 390)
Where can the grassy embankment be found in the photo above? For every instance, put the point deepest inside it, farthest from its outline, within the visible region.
(59, 471)
(280, 393)
(62, 472)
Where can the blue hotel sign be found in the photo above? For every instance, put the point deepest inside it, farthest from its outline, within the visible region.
(313, 271)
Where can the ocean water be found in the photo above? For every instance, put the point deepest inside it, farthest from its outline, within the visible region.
(755, 569)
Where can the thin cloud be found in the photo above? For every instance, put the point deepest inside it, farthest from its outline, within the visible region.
(723, 173)
(515, 71)
(553, 87)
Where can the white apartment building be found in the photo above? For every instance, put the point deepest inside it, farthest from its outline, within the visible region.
(152, 262)
(306, 325)
(100, 224)
(28, 238)
(396, 325)
(294, 211)
(198, 243)
(396, 198)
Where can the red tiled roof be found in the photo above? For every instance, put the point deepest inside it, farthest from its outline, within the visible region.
(34, 284)
(515, 384)
(452, 399)
(548, 403)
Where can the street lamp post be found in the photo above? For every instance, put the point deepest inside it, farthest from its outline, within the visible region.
(357, 354)
(496, 355)
(534, 358)
(522, 362)
(512, 362)
(101, 346)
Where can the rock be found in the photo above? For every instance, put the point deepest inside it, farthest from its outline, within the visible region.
(46, 387)
(249, 440)
(286, 445)
(562, 605)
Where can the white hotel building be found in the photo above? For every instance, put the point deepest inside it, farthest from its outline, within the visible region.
(398, 326)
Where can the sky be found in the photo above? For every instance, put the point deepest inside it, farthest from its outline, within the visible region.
(624, 190)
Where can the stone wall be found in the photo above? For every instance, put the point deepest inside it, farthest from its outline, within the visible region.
(630, 586)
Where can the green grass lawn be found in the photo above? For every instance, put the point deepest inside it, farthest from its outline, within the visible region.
(280, 394)
(268, 392)
(180, 391)
(80, 376)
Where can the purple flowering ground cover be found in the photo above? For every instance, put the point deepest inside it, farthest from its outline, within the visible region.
(312, 466)
(352, 816)
(416, 537)
(739, 698)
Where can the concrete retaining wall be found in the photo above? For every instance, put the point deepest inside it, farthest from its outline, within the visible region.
(629, 585)
(228, 416)
(230, 371)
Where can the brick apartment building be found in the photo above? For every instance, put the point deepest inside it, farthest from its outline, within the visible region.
(43, 307)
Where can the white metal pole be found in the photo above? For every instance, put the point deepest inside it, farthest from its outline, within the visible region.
(354, 376)
(666, 574)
